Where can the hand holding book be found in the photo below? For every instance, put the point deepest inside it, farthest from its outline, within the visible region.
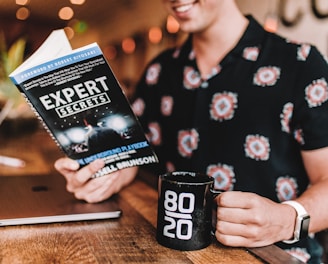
(80, 103)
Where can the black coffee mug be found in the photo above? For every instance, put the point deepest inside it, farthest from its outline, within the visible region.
(184, 219)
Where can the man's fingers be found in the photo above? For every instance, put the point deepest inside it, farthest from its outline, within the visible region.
(85, 173)
(66, 164)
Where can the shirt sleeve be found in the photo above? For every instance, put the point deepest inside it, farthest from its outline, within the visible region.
(311, 102)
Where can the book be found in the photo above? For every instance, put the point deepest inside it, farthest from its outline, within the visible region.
(79, 101)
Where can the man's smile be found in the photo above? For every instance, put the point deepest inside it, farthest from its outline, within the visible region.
(183, 7)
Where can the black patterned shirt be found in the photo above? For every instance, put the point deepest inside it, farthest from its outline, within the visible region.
(247, 122)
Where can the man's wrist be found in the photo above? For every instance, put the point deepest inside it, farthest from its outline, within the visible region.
(302, 221)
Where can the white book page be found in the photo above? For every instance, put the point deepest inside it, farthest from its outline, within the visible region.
(54, 46)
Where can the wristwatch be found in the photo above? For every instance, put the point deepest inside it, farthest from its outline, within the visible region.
(301, 229)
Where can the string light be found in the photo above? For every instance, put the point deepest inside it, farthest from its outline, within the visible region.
(128, 45)
(271, 23)
(66, 13)
(271, 19)
(69, 32)
(22, 2)
(172, 25)
(77, 2)
(22, 13)
(155, 35)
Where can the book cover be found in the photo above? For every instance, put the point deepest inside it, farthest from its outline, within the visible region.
(79, 101)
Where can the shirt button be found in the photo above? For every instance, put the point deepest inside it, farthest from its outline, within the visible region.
(204, 84)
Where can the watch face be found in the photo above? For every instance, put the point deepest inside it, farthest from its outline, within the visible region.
(305, 226)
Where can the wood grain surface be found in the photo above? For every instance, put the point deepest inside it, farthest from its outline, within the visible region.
(129, 239)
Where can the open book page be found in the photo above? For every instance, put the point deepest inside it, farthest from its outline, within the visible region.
(57, 43)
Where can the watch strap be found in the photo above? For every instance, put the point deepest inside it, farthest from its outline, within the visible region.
(301, 228)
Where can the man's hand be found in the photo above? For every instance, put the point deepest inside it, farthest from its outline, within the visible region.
(80, 183)
(249, 220)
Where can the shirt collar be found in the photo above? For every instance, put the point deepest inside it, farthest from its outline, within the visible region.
(252, 37)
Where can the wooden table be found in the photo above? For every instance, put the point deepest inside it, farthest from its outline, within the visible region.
(129, 239)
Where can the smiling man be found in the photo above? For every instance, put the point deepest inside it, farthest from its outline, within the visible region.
(248, 108)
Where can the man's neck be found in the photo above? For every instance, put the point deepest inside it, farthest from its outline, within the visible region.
(212, 45)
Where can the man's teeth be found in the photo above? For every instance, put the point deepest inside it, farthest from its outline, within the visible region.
(183, 8)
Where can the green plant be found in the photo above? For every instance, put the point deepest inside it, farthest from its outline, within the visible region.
(10, 58)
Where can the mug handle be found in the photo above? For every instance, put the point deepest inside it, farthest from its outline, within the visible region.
(214, 193)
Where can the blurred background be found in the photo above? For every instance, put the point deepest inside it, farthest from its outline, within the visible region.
(131, 32)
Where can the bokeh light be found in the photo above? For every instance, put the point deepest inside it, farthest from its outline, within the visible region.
(172, 25)
(77, 2)
(66, 13)
(128, 45)
(155, 35)
(22, 13)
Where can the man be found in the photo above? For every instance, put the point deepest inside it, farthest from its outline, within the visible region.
(246, 107)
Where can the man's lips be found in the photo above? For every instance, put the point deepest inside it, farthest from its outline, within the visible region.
(182, 8)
